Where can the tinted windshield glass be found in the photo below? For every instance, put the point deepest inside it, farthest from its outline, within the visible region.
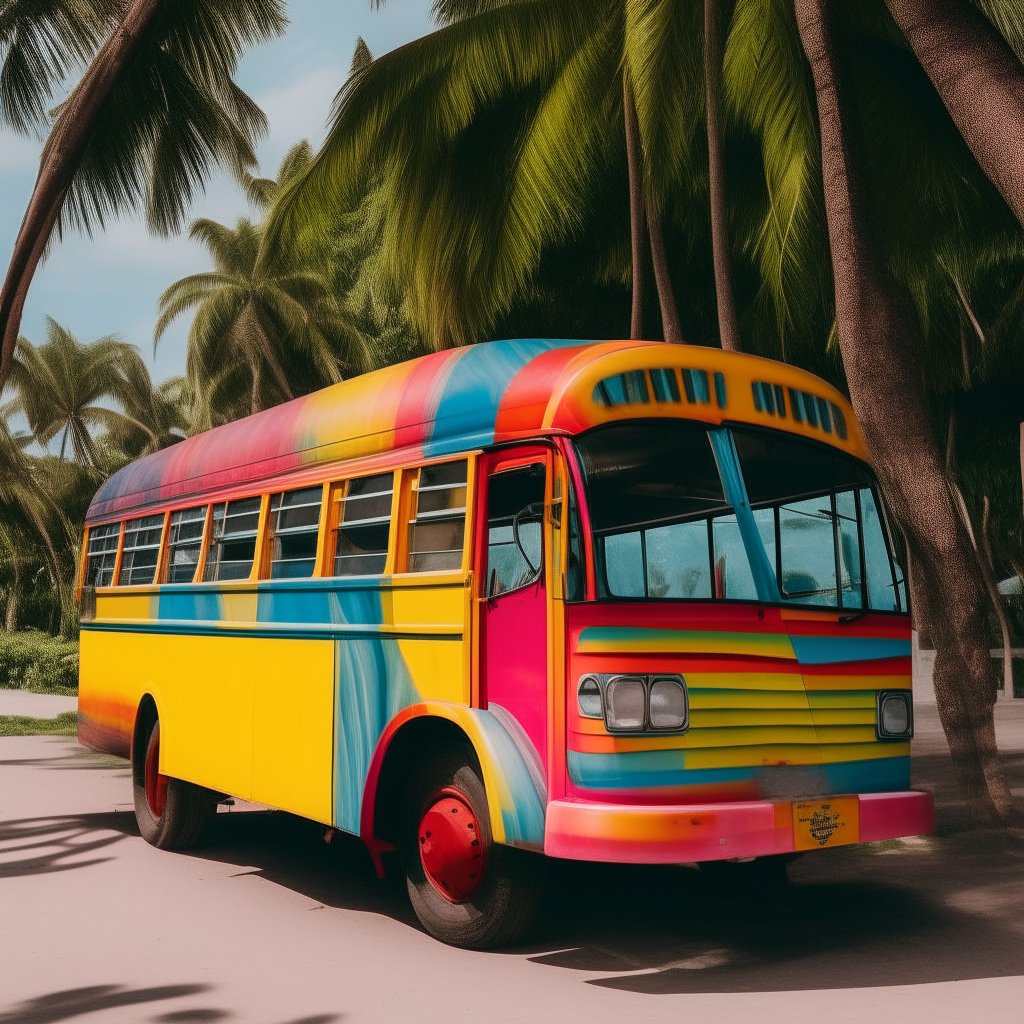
(665, 526)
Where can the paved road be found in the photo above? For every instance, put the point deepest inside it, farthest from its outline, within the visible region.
(35, 705)
(266, 924)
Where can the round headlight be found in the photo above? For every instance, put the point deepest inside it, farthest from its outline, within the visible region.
(668, 704)
(624, 710)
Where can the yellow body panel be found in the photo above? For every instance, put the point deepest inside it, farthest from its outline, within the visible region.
(293, 726)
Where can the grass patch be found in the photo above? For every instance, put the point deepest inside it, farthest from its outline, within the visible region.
(40, 663)
(65, 724)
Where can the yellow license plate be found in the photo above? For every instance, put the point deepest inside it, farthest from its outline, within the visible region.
(821, 823)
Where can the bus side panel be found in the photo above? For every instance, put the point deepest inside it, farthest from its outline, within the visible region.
(293, 726)
(206, 711)
(108, 693)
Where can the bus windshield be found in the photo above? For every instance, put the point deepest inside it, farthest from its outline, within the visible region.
(683, 511)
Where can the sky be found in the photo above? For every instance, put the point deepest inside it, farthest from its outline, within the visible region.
(110, 285)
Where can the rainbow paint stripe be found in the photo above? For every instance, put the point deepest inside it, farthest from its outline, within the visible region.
(441, 404)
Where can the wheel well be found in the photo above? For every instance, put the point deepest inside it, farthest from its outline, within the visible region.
(408, 745)
(144, 719)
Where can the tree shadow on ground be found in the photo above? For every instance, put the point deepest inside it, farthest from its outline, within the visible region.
(76, 1002)
(41, 846)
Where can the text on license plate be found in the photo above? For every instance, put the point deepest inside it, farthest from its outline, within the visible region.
(820, 823)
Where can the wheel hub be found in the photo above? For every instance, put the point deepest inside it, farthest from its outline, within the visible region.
(451, 850)
(156, 784)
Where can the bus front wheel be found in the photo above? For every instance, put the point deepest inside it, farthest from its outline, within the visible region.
(465, 889)
(171, 813)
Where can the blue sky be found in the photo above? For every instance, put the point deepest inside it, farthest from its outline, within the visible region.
(110, 285)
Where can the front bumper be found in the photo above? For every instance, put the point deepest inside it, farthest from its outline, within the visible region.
(674, 834)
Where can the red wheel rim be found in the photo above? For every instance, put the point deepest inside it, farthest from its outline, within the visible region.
(156, 784)
(451, 850)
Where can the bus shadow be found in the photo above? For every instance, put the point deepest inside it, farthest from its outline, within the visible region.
(901, 913)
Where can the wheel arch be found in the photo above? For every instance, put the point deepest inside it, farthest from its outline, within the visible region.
(515, 807)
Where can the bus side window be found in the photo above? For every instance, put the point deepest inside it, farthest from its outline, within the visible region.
(141, 552)
(233, 540)
(186, 543)
(102, 555)
(364, 524)
(437, 525)
(295, 522)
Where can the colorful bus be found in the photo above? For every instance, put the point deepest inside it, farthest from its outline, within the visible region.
(616, 601)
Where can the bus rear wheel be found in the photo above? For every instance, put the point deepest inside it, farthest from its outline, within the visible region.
(170, 813)
(466, 890)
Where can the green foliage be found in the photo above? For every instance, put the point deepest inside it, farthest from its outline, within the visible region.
(65, 724)
(34, 661)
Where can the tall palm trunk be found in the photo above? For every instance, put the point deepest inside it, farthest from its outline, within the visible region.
(880, 344)
(979, 79)
(728, 326)
(637, 212)
(61, 157)
(13, 594)
(671, 328)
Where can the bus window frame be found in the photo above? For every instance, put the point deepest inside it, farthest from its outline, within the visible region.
(272, 522)
(402, 521)
(197, 575)
(337, 491)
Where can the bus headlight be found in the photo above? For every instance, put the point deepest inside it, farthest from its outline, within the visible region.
(634, 703)
(588, 697)
(625, 704)
(895, 718)
(667, 703)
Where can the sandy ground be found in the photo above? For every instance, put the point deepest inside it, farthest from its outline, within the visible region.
(35, 705)
(265, 923)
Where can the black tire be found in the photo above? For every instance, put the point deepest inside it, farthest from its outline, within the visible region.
(178, 819)
(502, 907)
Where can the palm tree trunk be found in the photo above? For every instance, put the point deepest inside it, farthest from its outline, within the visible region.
(879, 339)
(988, 570)
(637, 214)
(979, 79)
(13, 594)
(728, 325)
(671, 328)
(58, 164)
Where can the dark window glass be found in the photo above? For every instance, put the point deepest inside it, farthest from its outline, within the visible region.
(515, 509)
(102, 555)
(364, 525)
(233, 543)
(666, 386)
(695, 383)
(622, 389)
(141, 550)
(185, 544)
(437, 532)
(720, 393)
(295, 520)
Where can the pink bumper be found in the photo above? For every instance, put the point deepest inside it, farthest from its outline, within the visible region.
(673, 834)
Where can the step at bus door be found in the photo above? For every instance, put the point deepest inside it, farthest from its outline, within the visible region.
(513, 598)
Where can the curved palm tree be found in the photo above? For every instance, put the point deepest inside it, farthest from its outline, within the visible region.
(268, 320)
(155, 111)
(59, 387)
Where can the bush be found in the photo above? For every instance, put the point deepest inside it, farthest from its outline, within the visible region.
(30, 660)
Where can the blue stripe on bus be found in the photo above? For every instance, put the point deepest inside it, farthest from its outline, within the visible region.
(824, 650)
(468, 408)
(641, 769)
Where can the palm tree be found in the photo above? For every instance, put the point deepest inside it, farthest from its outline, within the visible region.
(33, 530)
(880, 340)
(60, 385)
(492, 142)
(155, 111)
(268, 321)
(974, 61)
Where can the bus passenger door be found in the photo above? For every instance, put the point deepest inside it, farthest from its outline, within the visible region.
(513, 617)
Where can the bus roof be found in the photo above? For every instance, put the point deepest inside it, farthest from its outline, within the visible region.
(467, 398)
